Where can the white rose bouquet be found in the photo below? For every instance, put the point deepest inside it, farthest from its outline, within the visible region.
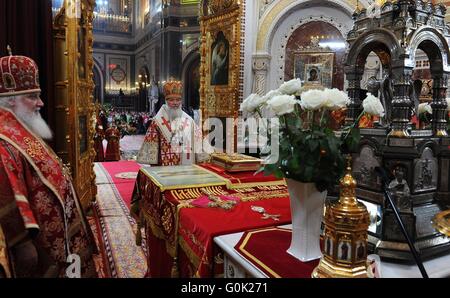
(309, 149)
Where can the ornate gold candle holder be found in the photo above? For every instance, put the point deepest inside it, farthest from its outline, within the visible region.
(345, 235)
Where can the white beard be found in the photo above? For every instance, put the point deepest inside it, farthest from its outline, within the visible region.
(173, 113)
(34, 122)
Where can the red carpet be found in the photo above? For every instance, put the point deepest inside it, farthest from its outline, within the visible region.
(116, 227)
(124, 185)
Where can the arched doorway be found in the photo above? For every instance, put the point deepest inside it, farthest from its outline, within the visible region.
(316, 44)
(98, 92)
(191, 82)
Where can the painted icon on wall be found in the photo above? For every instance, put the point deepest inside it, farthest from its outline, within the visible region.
(220, 52)
(314, 68)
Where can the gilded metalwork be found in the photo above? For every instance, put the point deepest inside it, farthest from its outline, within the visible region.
(345, 235)
(236, 162)
(220, 60)
(74, 107)
(441, 222)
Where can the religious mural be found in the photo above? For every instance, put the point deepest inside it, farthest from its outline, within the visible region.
(219, 60)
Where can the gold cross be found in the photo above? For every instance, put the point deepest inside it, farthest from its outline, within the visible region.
(218, 202)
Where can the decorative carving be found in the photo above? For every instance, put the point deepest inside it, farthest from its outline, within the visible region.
(425, 172)
(364, 168)
(260, 68)
(396, 38)
(220, 42)
(217, 6)
(74, 85)
(399, 190)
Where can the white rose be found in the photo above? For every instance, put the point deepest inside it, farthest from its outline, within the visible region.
(448, 104)
(291, 87)
(335, 99)
(271, 94)
(313, 99)
(251, 103)
(425, 108)
(282, 104)
(372, 105)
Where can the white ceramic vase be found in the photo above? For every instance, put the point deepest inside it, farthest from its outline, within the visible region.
(306, 211)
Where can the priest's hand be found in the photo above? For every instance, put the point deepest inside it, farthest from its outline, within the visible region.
(25, 259)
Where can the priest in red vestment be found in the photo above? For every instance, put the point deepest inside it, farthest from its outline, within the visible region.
(98, 141)
(172, 138)
(112, 135)
(43, 223)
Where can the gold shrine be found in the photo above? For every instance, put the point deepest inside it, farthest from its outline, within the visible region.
(345, 235)
(220, 79)
(74, 108)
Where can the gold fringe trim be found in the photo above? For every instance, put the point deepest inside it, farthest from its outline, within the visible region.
(189, 252)
(175, 273)
(256, 184)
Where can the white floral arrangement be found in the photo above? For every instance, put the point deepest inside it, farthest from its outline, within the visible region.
(425, 108)
(305, 130)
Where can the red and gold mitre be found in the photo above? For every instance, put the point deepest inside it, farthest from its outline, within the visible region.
(18, 75)
(173, 89)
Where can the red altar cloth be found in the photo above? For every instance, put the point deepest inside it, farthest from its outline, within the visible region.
(159, 211)
(199, 226)
(270, 256)
(239, 177)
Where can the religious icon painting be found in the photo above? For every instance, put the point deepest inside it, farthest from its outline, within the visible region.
(360, 250)
(313, 73)
(220, 52)
(314, 68)
(345, 250)
(329, 246)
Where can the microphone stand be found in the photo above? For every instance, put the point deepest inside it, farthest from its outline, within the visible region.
(416, 256)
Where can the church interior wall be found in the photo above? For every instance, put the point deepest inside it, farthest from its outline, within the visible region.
(251, 30)
(335, 17)
(114, 84)
(101, 78)
(329, 36)
(269, 32)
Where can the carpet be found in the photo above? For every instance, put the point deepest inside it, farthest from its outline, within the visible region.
(112, 216)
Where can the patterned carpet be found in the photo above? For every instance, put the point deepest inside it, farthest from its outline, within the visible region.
(112, 221)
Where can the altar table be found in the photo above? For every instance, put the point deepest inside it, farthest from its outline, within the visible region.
(179, 236)
(238, 266)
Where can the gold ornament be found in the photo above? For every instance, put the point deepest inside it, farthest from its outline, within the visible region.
(345, 234)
